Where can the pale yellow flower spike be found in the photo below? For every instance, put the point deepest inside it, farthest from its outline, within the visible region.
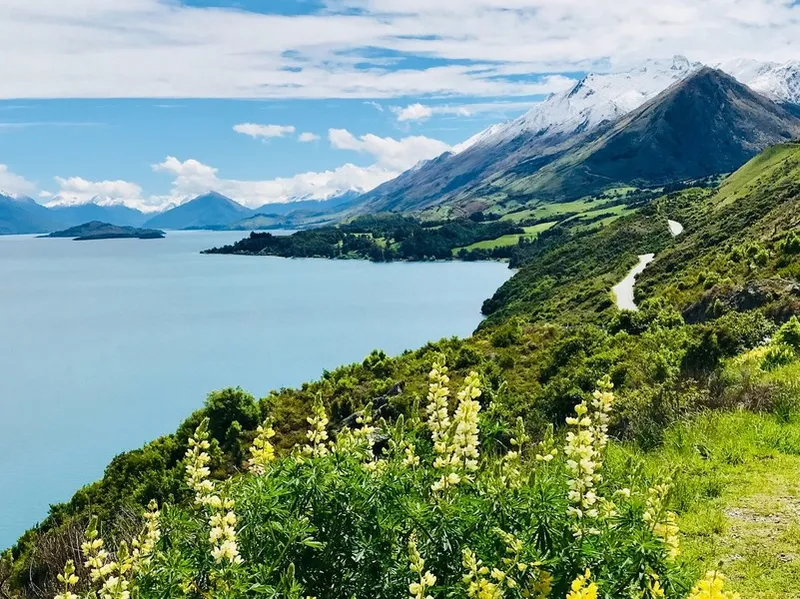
(426, 579)
(438, 411)
(68, 579)
(222, 521)
(663, 523)
(262, 453)
(460, 456)
(318, 434)
(144, 545)
(712, 587)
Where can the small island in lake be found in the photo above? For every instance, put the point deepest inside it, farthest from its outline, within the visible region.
(98, 230)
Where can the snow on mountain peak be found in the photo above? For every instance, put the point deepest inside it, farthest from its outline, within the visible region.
(778, 81)
(598, 98)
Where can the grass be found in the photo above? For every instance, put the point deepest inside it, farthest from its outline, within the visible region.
(737, 490)
(555, 209)
(506, 240)
(761, 166)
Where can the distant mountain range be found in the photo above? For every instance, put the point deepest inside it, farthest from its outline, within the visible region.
(664, 121)
(674, 119)
(22, 215)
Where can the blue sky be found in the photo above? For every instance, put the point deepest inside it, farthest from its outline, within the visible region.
(148, 102)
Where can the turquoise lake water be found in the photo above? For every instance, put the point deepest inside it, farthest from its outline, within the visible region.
(105, 345)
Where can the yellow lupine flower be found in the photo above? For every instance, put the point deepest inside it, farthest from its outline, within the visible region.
(438, 409)
(712, 587)
(663, 523)
(426, 579)
(262, 453)
(583, 587)
(317, 435)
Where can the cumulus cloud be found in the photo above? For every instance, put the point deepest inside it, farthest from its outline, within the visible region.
(77, 190)
(307, 137)
(389, 153)
(192, 178)
(413, 112)
(15, 184)
(358, 48)
(256, 131)
(500, 109)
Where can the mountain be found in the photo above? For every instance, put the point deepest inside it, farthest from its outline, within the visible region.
(211, 210)
(780, 82)
(20, 215)
(706, 122)
(310, 206)
(537, 137)
(75, 214)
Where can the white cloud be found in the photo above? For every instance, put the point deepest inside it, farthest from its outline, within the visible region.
(256, 131)
(307, 137)
(351, 48)
(15, 184)
(413, 112)
(389, 153)
(192, 178)
(501, 108)
(77, 190)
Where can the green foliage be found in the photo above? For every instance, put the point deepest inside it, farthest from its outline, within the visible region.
(789, 334)
(359, 519)
(378, 238)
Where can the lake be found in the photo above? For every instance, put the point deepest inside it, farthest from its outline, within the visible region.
(105, 345)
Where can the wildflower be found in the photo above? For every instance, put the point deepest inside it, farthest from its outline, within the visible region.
(197, 459)
(546, 449)
(222, 533)
(69, 580)
(410, 457)
(102, 569)
(662, 522)
(419, 589)
(654, 588)
(602, 403)
(581, 465)
(464, 448)
(318, 434)
(478, 586)
(144, 545)
(376, 466)
(262, 453)
(583, 587)
(437, 410)
(712, 587)
(460, 455)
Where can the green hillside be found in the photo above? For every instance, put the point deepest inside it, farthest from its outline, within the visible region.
(706, 379)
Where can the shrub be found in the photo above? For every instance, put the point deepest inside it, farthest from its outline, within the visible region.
(411, 508)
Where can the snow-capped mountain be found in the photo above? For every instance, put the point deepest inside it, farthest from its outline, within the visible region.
(780, 82)
(488, 164)
(478, 138)
(598, 98)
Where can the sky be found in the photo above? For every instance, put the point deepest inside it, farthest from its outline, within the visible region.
(150, 102)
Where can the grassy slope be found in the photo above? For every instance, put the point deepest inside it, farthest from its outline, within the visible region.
(506, 240)
(758, 204)
(758, 168)
(737, 485)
